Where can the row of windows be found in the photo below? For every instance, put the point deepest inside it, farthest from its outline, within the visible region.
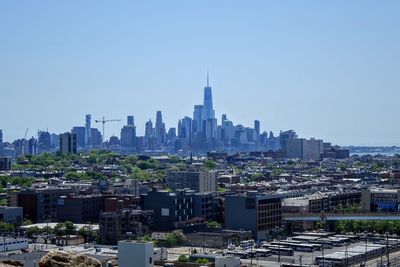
(269, 220)
(269, 207)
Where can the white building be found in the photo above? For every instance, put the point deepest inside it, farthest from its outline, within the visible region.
(11, 244)
(141, 254)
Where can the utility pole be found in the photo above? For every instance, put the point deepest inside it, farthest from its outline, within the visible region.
(387, 250)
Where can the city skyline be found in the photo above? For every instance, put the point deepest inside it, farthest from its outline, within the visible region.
(140, 130)
(327, 70)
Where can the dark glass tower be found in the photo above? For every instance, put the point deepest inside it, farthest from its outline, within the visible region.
(208, 111)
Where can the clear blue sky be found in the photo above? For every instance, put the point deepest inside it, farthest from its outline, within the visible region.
(328, 69)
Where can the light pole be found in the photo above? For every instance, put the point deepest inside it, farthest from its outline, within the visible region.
(387, 249)
(366, 249)
(279, 248)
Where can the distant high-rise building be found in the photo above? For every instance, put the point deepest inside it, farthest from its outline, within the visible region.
(68, 143)
(114, 141)
(130, 121)
(227, 130)
(24, 147)
(55, 141)
(171, 133)
(148, 130)
(264, 138)
(179, 128)
(304, 149)
(257, 128)
(159, 128)
(80, 132)
(284, 136)
(96, 138)
(210, 129)
(223, 118)
(208, 110)
(1, 142)
(186, 129)
(32, 146)
(44, 141)
(128, 136)
(88, 132)
(197, 118)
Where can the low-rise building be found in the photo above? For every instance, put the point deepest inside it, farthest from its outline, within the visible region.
(69, 240)
(12, 244)
(39, 204)
(380, 199)
(13, 215)
(124, 224)
(260, 214)
(80, 208)
(170, 209)
(201, 181)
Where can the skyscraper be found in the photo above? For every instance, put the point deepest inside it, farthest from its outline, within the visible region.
(128, 136)
(209, 122)
(148, 129)
(186, 129)
(44, 141)
(197, 118)
(88, 132)
(208, 111)
(159, 128)
(68, 143)
(223, 118)
(1, 142)
(81, 135)
(257, 129)
(130, 121)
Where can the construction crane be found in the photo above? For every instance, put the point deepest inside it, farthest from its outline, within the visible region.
(26, 133)
(103, 121)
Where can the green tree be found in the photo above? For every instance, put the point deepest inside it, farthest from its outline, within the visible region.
(171, 240)
(183, 258)
(139, 174)
(70, 228)
(88, 233)
(209, 164)
(202, 261)
(32, 231)
(214, 224)
(6, 227)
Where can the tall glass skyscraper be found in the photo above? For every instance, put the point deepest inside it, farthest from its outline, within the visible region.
(197, 118)
(209, 120)
(208, 111)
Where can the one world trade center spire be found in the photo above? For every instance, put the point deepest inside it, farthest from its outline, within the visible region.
(208, 111)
